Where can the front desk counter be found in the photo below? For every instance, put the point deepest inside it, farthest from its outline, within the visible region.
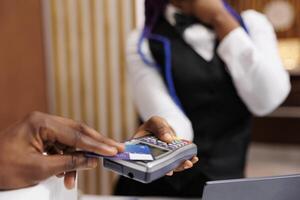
(124, 198)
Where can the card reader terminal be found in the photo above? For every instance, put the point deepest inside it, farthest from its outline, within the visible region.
(166, 158)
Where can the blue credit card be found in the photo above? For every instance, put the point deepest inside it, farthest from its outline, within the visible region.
(132, 152)
(137, 148)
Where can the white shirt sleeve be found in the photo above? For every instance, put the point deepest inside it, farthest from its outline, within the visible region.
(254, 64)
(150, 94)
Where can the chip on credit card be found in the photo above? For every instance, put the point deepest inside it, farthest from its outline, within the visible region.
(134, 152)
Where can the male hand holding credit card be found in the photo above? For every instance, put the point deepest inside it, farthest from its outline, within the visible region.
(132, 152)
(46, 145)
(139, 152)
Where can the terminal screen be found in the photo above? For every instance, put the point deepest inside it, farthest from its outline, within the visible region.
(156, 152)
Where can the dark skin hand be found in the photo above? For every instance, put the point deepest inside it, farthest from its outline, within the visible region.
(211, 12)
(163, 131)
(42, 145)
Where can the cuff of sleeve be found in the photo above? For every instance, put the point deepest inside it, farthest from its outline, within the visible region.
(237, 51)
(183, 129)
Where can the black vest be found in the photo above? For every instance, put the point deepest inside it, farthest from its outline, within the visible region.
(220, 120)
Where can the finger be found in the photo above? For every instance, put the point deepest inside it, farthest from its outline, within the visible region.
(90, 132)
(184, 166)
(170, 173)
(70, 179)
(58, 164)
(195, 159)
(76, 139)
(99, 137)
(68, 132)
(86, 143)
(120, 146)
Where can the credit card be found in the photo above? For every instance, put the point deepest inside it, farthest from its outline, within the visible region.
(133, 152)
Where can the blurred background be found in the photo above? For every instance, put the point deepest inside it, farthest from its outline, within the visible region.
(67, 57)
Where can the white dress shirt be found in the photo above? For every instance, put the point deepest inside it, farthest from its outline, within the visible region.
(252, 60)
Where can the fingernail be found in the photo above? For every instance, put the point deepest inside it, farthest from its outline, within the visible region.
(69, 186)
(121, 147)
(168, 136)
(114, 150)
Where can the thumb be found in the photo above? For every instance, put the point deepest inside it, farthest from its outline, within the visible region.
(160, 128)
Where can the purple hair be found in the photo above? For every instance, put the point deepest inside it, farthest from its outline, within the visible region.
(153, 10)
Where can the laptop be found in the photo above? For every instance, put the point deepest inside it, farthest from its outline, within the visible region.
(270, 188)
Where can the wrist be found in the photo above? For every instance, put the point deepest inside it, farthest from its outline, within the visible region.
(222, 18)
(223, 23)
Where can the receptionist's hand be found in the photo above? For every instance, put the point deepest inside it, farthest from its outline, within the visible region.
(162, 130)
(43, 145)
(204, 10)
(214, 13)
(211, 12)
